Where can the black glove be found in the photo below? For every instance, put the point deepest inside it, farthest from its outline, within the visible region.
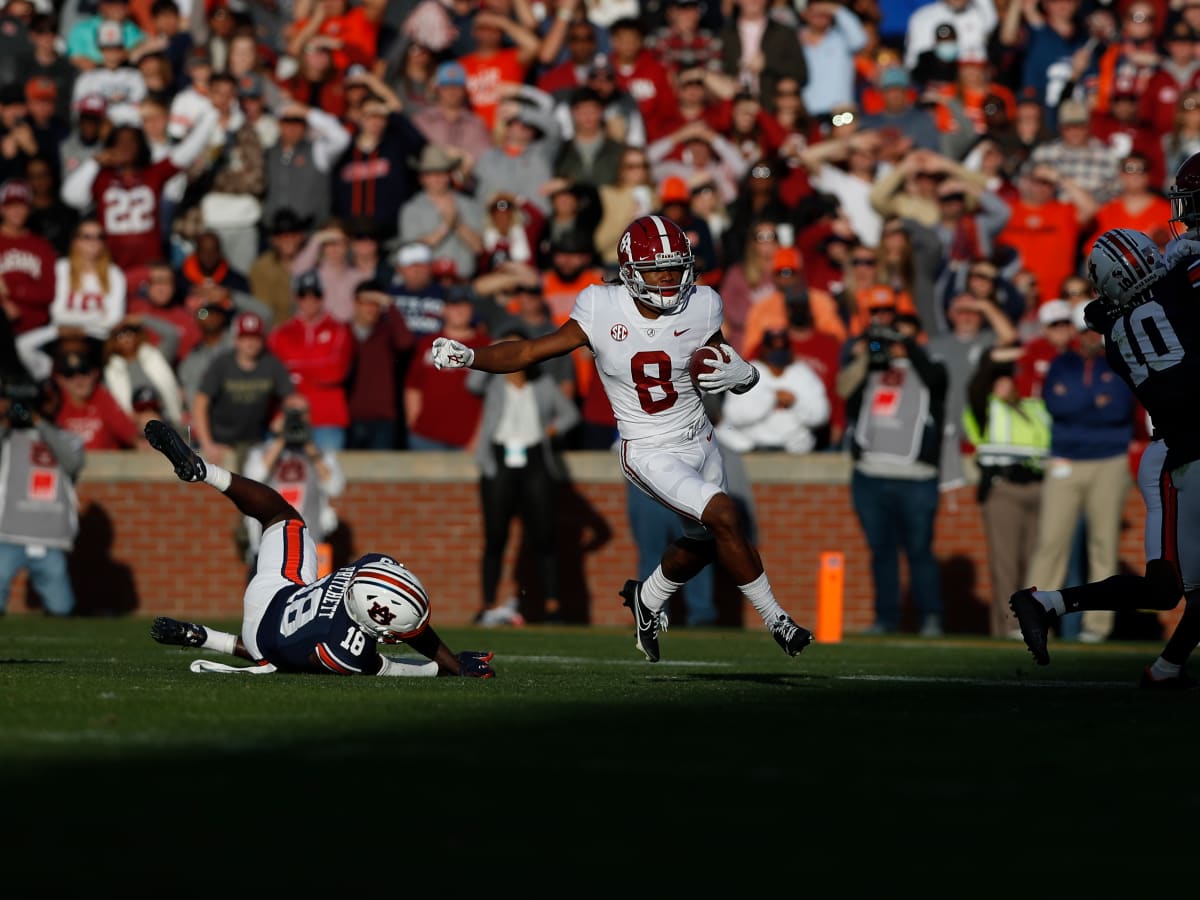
(474, 664)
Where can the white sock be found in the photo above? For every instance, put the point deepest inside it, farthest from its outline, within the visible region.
(217, 477)
(222, 641)
(657, 590)
(762, 598)
(1162, 669)
(1051, 600)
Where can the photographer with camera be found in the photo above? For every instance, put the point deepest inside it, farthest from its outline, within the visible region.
(307, 477)
(895, 408)
(38, 508)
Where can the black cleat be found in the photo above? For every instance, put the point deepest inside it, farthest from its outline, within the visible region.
(790, 636)
(181, 634)
(648, 623)
(1181, 682)
(1034, 621)
(166, 440)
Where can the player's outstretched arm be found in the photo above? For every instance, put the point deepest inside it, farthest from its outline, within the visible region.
(252, 498)
(468, 663)
(509, 356)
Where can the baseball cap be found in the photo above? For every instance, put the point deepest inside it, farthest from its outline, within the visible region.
(110, 34)
(444, 267)
(73, 364)
(450, 73)
(1054, 311)
(308, 283)
(878, 296)
(287, 222)
(249, 323)
(14, 191)
(199, 57)
(250, 85)
(91, 105)
(414, 254)
(600, 63)
(1072, 112)
(674, 190)
(41, 89)
(787, 259)
(894, 77)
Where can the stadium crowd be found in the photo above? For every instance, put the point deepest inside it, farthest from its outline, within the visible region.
(326, 186)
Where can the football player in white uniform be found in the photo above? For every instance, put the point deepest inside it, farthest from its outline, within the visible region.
(643, 333)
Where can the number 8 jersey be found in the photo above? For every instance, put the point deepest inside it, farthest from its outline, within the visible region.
(643, 362)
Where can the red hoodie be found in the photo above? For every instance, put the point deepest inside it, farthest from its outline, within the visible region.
(318, 356)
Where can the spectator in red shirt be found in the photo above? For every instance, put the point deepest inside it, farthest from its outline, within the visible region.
(318, 351)
(441, 413)
(88, 409)
(644, 77)
(161, 298)
(26, 262)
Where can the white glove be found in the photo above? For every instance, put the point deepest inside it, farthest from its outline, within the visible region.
(1179, 250)
(448, 354)
(725, 376)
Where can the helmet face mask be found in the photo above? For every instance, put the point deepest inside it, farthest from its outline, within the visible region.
(1184, 195)
(387, 601)
(1123, 265)
(655, 243)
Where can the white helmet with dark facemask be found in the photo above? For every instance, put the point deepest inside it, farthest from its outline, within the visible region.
(387, 601)
(1123, 265)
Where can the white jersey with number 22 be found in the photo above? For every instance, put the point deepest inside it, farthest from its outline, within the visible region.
(643, 363)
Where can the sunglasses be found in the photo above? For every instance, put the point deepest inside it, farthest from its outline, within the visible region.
(985, 275)
(1134, 170)
(763, 236)
(863, 261)
(1059, 323)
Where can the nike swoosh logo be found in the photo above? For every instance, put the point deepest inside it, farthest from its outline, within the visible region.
(684, 331)
(642, 624)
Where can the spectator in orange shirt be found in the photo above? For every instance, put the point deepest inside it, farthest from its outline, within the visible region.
(1136, 206)
(353, 31)
(493, 65)
(770, 313)
(1044, 229)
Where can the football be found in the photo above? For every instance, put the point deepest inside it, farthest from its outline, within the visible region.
(702, 361)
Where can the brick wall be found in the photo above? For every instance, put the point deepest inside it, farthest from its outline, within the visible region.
(149, 544)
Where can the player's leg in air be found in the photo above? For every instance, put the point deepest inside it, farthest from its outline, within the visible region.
(252, 498)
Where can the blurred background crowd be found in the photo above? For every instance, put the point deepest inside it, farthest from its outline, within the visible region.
(207, 206)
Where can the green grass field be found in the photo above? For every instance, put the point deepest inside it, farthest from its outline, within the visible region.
(916, 768)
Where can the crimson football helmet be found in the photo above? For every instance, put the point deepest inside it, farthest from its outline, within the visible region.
(387, 601)
(1123, 265)
(650, 243)
(1184, 195)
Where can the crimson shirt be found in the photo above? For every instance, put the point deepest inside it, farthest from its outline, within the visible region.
(449, 412)
(27, 267)
(128, 209)
(100, 422)
(318, 358)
